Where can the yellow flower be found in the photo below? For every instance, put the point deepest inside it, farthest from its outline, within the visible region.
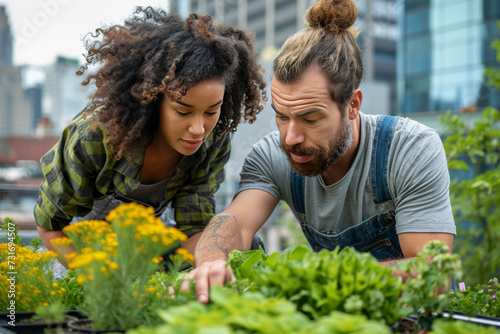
(61, 241)
(186, 256)
(80, 279)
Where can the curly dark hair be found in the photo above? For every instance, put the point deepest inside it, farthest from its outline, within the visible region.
(154, 55)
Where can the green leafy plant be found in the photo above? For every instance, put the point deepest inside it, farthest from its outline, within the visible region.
(163, 290)
(289, 228)
(53, 312)
(493, 74)
(319, 283)
(252, 312)
(426, 291)
(444, 326)
(476, 200)
(480, 300)
(11, 232)
(74, 295)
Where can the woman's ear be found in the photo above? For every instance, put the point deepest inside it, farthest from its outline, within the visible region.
(355, 104)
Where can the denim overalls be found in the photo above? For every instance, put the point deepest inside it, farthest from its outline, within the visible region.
(376, 234)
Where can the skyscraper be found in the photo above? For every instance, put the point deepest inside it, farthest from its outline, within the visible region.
(14, 118)
(444, 50)
(259, 16)
(62, 98)
(6, 41)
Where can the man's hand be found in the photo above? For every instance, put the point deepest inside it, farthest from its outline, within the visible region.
(208, 274)
(231, 229)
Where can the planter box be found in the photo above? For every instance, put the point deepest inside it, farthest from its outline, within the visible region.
(478, 320)
(23, 327)
(455, 315)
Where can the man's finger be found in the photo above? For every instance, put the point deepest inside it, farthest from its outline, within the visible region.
(202, 284)
(217, 275)
(229, 275)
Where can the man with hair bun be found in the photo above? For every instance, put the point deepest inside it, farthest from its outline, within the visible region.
(379, 184)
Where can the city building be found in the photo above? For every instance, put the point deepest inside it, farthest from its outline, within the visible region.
(15, 119)
(62, 98)
(378, 20)
(33, 96)
(6, 39)
(445, 48)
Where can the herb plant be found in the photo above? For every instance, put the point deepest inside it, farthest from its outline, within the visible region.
(319, 283)
(114, 261)
(426, 291)
(480, 300)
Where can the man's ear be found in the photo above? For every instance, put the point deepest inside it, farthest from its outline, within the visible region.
(355, 104)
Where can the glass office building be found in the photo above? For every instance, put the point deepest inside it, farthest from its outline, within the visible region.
(445, 48)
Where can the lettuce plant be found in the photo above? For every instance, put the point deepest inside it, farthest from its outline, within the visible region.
(252, 312)
(319, 283)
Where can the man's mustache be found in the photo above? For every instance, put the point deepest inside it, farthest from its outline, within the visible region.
(298, 149)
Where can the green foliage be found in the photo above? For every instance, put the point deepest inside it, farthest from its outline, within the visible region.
(163, 290)
(252, 312)
(476, 201)
(289, 227)
(54, 312)
(480, 300)
(493, 74)
(11, 232)
(426, 289)
(319, 283)
(74, 296)
(36, 244)
(444, 326)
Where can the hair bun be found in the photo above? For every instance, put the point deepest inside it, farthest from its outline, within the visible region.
(332, 15)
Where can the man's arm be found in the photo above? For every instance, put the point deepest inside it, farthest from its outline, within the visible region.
(412, 243)
(232, 229)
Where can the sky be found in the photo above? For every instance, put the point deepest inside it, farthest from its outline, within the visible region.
(44, 29)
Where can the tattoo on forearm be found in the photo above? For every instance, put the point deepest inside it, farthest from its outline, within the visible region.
(212, 239)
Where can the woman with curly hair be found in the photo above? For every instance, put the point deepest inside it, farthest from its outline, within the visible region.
(157, 128)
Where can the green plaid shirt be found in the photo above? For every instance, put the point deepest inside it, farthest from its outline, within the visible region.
(78, 169)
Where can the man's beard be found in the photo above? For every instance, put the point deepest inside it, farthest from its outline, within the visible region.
(323, 157)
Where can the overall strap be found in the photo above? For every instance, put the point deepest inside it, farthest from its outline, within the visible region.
(380, 152)
(297, 190)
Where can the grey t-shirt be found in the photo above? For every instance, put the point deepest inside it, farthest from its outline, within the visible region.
(417, 172)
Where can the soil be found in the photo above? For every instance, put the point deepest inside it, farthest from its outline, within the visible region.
(410, 326)
(84, 326)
